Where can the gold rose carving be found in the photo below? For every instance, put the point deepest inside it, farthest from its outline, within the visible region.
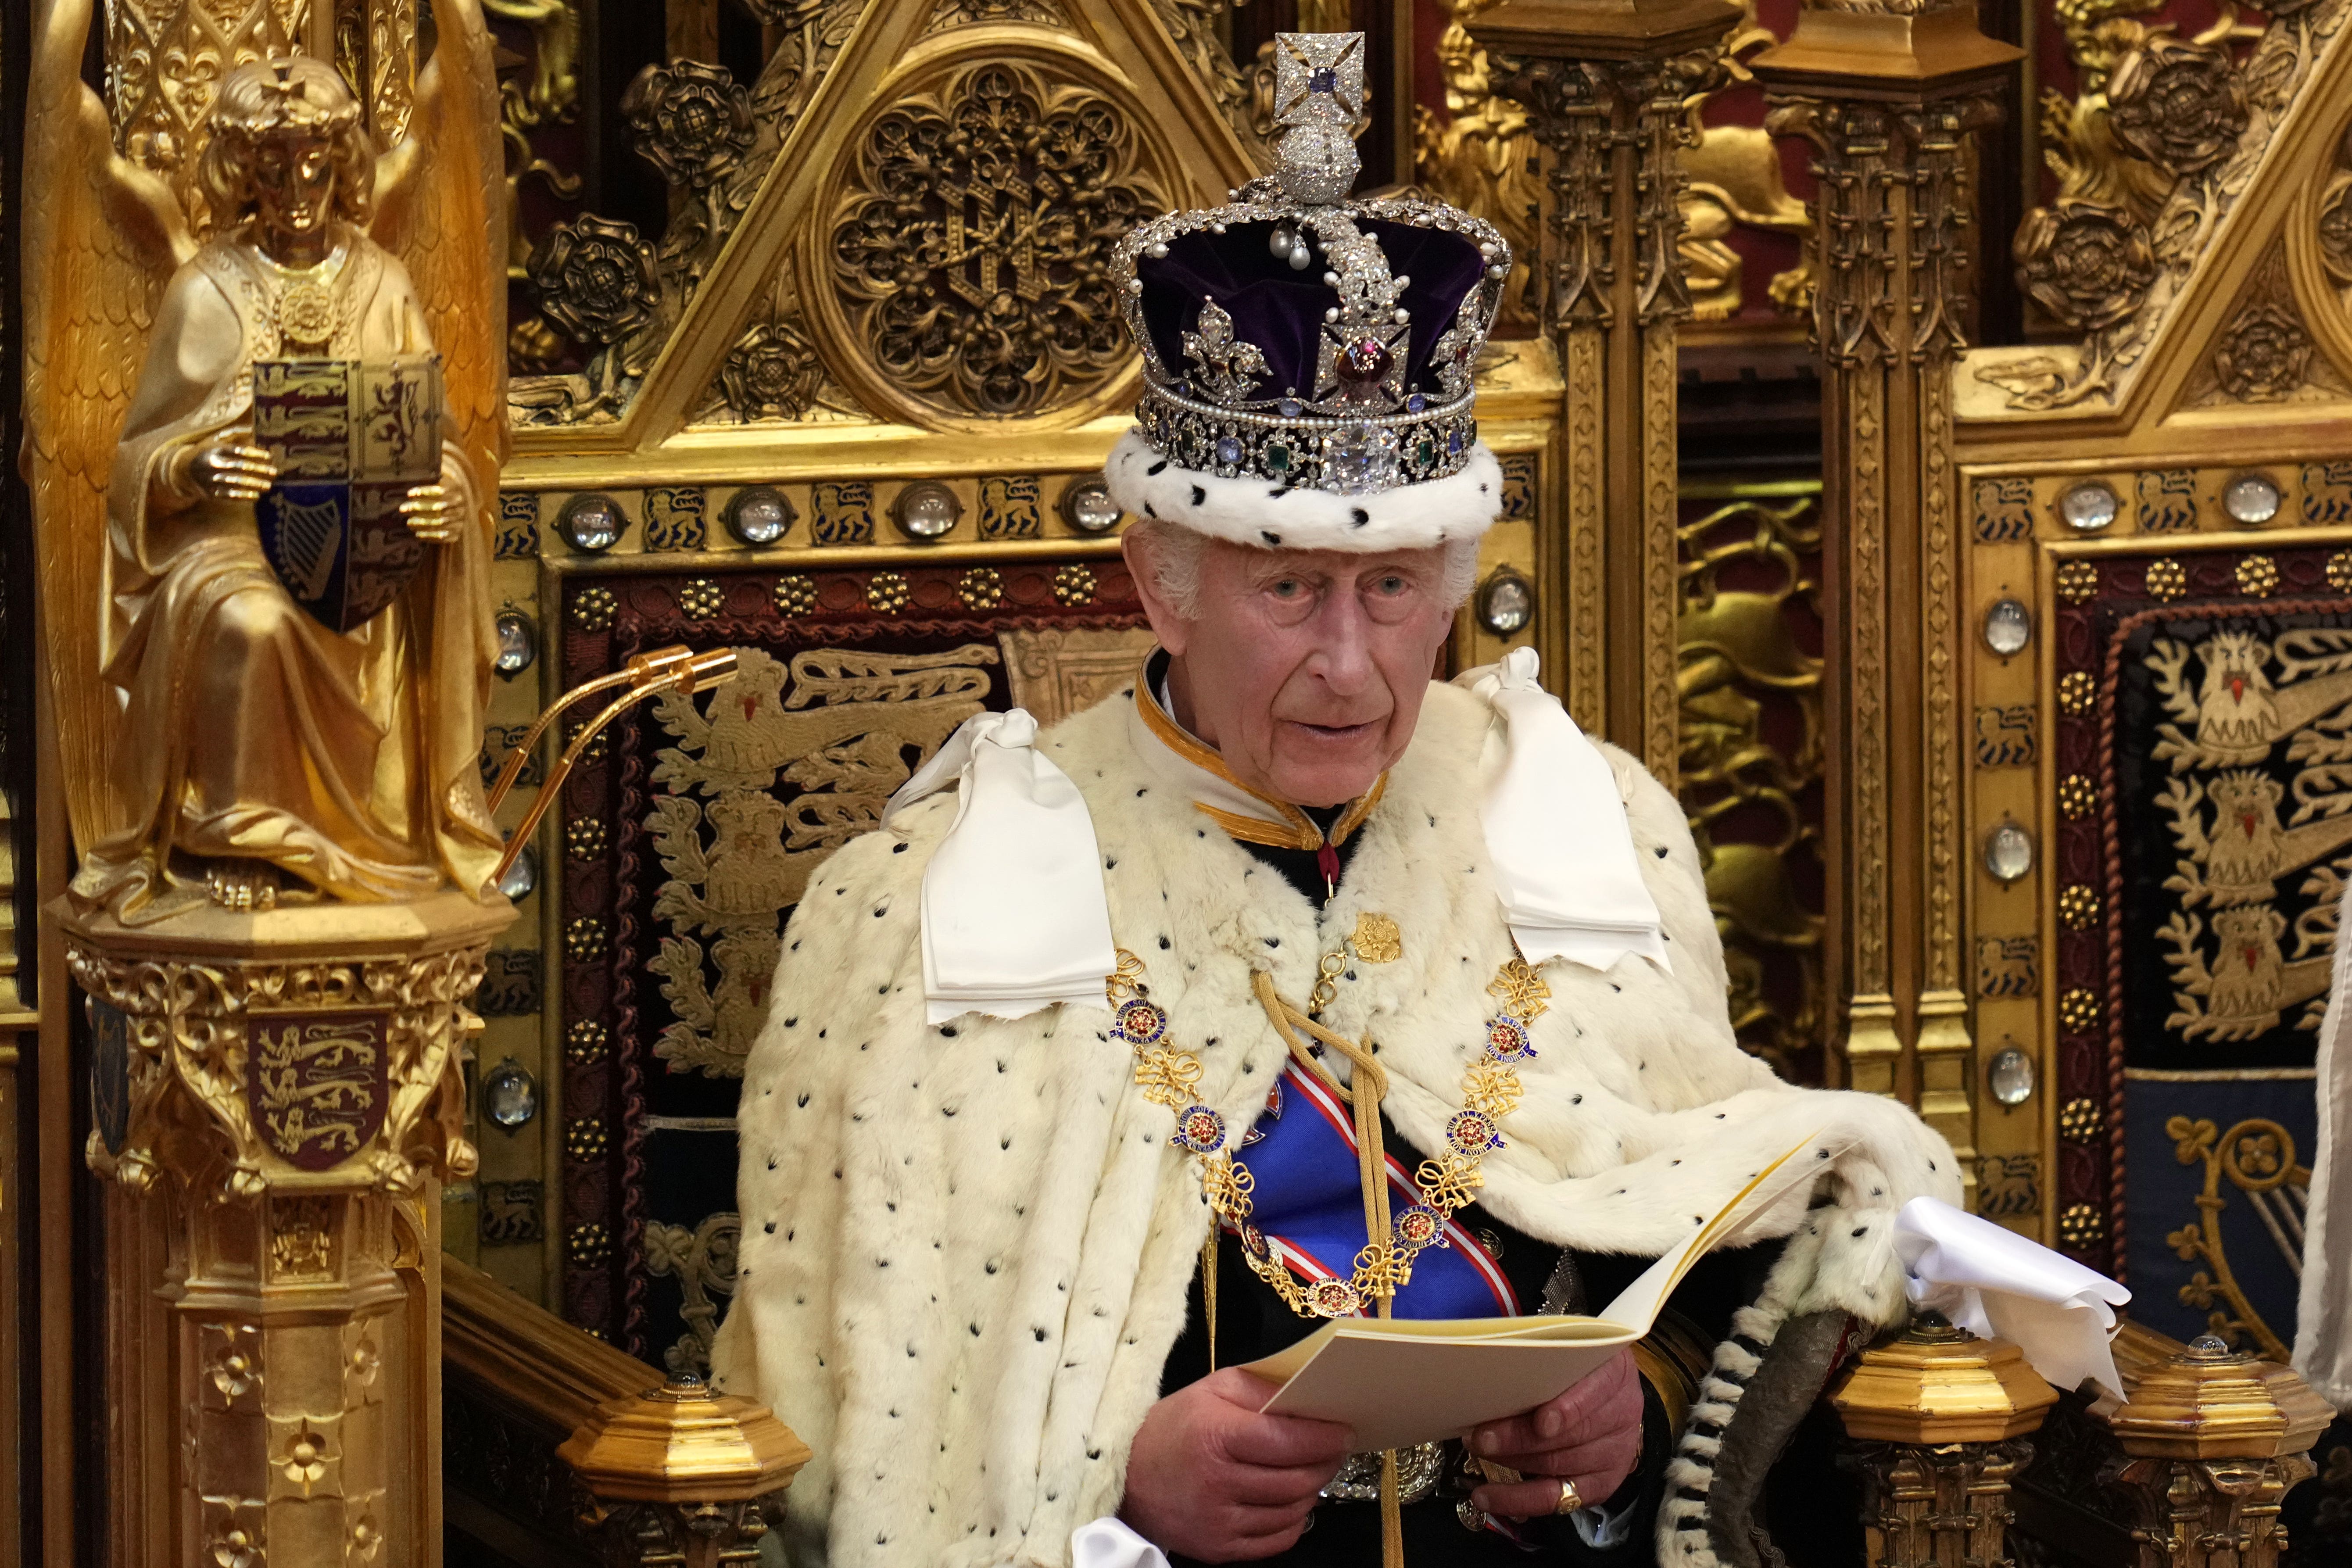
(270, 778)
(2156, 150)
(599, 281)
(2248, 841)
(693, 122)
(2265, 353)
(602, 282)
(835, 727)
(773, 372)
(968, 241)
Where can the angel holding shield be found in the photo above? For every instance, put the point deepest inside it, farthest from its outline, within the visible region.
(257, 748)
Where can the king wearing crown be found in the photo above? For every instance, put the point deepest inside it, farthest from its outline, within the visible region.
(1285, 985)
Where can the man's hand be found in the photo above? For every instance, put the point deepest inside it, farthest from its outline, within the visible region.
(432, 513)
(1211, 1479)
(231, 469)
(1591, 1437)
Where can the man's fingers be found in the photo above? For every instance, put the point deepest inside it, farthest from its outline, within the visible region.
(1615, 1453)
(1262, 1487)
(1605, 1390)
(1250, 1545)
(1287, 1442)
(1276, 1442)
(1607, 1400)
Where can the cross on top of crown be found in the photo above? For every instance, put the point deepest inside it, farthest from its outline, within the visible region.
(1318, 78)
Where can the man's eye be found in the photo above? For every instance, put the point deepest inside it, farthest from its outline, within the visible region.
(1391, 585)
(1288, 588)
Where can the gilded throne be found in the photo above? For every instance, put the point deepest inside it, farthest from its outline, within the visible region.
(2008, 717)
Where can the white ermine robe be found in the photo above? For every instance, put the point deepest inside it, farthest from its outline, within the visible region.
(966, 1247)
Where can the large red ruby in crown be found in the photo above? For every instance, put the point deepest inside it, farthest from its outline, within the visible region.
(1363, 362)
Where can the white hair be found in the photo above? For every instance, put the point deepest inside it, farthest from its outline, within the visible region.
(1173, 553)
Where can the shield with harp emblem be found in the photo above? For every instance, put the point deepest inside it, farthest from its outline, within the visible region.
(349, 438)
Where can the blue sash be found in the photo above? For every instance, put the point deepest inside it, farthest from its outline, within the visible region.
(1309, 1207)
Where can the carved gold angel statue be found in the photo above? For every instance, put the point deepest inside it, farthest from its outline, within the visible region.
(225, 736)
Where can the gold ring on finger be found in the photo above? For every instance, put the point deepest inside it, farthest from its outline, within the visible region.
(1568, 1501)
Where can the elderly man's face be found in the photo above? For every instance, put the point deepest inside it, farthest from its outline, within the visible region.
(1305, 669)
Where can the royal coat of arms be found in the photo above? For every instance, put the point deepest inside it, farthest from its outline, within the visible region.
(350, 438)
(316, 1083)
(2255, 804)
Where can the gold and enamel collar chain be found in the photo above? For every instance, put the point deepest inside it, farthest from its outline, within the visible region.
(1170, 1075)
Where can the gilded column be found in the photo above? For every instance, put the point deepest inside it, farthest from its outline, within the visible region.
(2213, 1440)
(1888, 97)
(1605, 88)
(287, 880)
(682, 1477)
(275, 1097)
(1936, 1421)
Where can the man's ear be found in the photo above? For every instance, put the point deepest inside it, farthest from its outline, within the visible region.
(1173, 630)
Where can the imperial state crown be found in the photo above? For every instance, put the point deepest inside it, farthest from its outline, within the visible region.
(1308, 358)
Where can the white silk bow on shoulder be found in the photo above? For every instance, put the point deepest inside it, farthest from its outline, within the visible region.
(1556, 832)
(1014, 919)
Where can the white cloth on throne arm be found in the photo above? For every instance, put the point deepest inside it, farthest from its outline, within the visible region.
(966, 1247)
(1999, 1285)
(2322, 1331)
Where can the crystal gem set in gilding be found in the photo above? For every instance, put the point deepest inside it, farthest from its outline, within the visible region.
(1359, 428)
(1170, 1075)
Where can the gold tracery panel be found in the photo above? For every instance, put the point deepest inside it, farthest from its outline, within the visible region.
(967, 237)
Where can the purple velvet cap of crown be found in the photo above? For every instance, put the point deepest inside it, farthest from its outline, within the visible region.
(1280, 309)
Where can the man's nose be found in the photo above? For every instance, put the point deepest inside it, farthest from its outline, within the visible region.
(1343, 655)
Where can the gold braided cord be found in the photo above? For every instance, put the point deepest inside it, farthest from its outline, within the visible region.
(1381, 1272)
